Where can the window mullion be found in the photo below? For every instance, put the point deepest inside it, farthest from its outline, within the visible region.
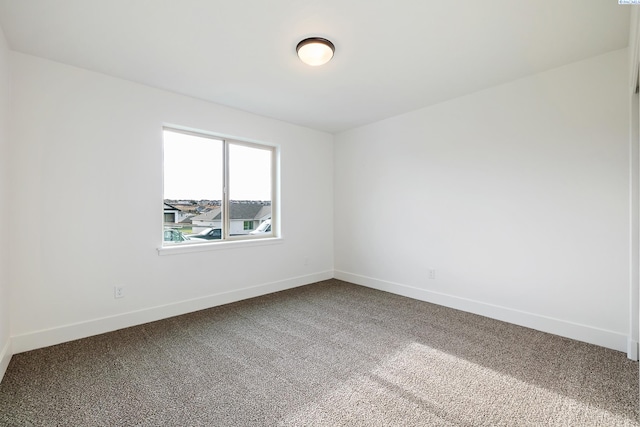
(226, 222)
(274, 189)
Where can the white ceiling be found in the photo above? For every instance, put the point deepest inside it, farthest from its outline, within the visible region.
(391, 56)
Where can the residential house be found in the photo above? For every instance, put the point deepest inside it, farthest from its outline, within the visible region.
(173, 215)
(244, 218)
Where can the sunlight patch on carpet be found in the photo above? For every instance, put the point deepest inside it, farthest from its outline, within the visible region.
(424, 386)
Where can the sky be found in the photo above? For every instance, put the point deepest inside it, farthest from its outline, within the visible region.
(193, 169)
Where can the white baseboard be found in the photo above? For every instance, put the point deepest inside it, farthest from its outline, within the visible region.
(5, 358)
(57, 335)
(585, 333)
(632, 349)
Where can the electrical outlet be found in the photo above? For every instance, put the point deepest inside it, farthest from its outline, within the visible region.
(118, 291)
(432, 274)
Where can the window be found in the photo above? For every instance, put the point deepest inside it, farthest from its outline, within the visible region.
(216, 189)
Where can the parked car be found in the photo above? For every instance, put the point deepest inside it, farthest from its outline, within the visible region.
(173, 235)
(207, 234)
(263, 228)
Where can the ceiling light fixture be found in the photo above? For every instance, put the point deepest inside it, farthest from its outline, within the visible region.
(315, 51)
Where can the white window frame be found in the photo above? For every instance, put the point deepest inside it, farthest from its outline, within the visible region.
(227, 239)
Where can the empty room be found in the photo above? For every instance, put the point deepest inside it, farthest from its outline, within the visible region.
(329, 213)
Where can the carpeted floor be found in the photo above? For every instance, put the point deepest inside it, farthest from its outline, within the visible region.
(327, 354)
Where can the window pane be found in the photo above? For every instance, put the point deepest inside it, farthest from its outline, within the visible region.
(192, 187)
(250, 180)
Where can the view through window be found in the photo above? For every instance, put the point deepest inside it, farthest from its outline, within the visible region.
(216, 189)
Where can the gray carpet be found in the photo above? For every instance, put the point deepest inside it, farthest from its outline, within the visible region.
(327, 354)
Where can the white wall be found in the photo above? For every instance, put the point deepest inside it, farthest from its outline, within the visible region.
(634, 181)
(517, 196)
(5, 331)
(86, 146)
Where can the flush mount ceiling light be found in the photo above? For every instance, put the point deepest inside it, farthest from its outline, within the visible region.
(315, 51)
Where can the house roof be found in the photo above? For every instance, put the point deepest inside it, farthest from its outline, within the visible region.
(170, 208)
(239, 211)
(187, 219)
(210, 215)
(264, 213)
(390, 57)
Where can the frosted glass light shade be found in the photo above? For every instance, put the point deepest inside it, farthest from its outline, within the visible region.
(315, 51)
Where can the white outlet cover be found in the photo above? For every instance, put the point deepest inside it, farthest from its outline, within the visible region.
(118, 291)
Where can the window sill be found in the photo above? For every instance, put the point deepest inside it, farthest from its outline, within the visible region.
(204, 247)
